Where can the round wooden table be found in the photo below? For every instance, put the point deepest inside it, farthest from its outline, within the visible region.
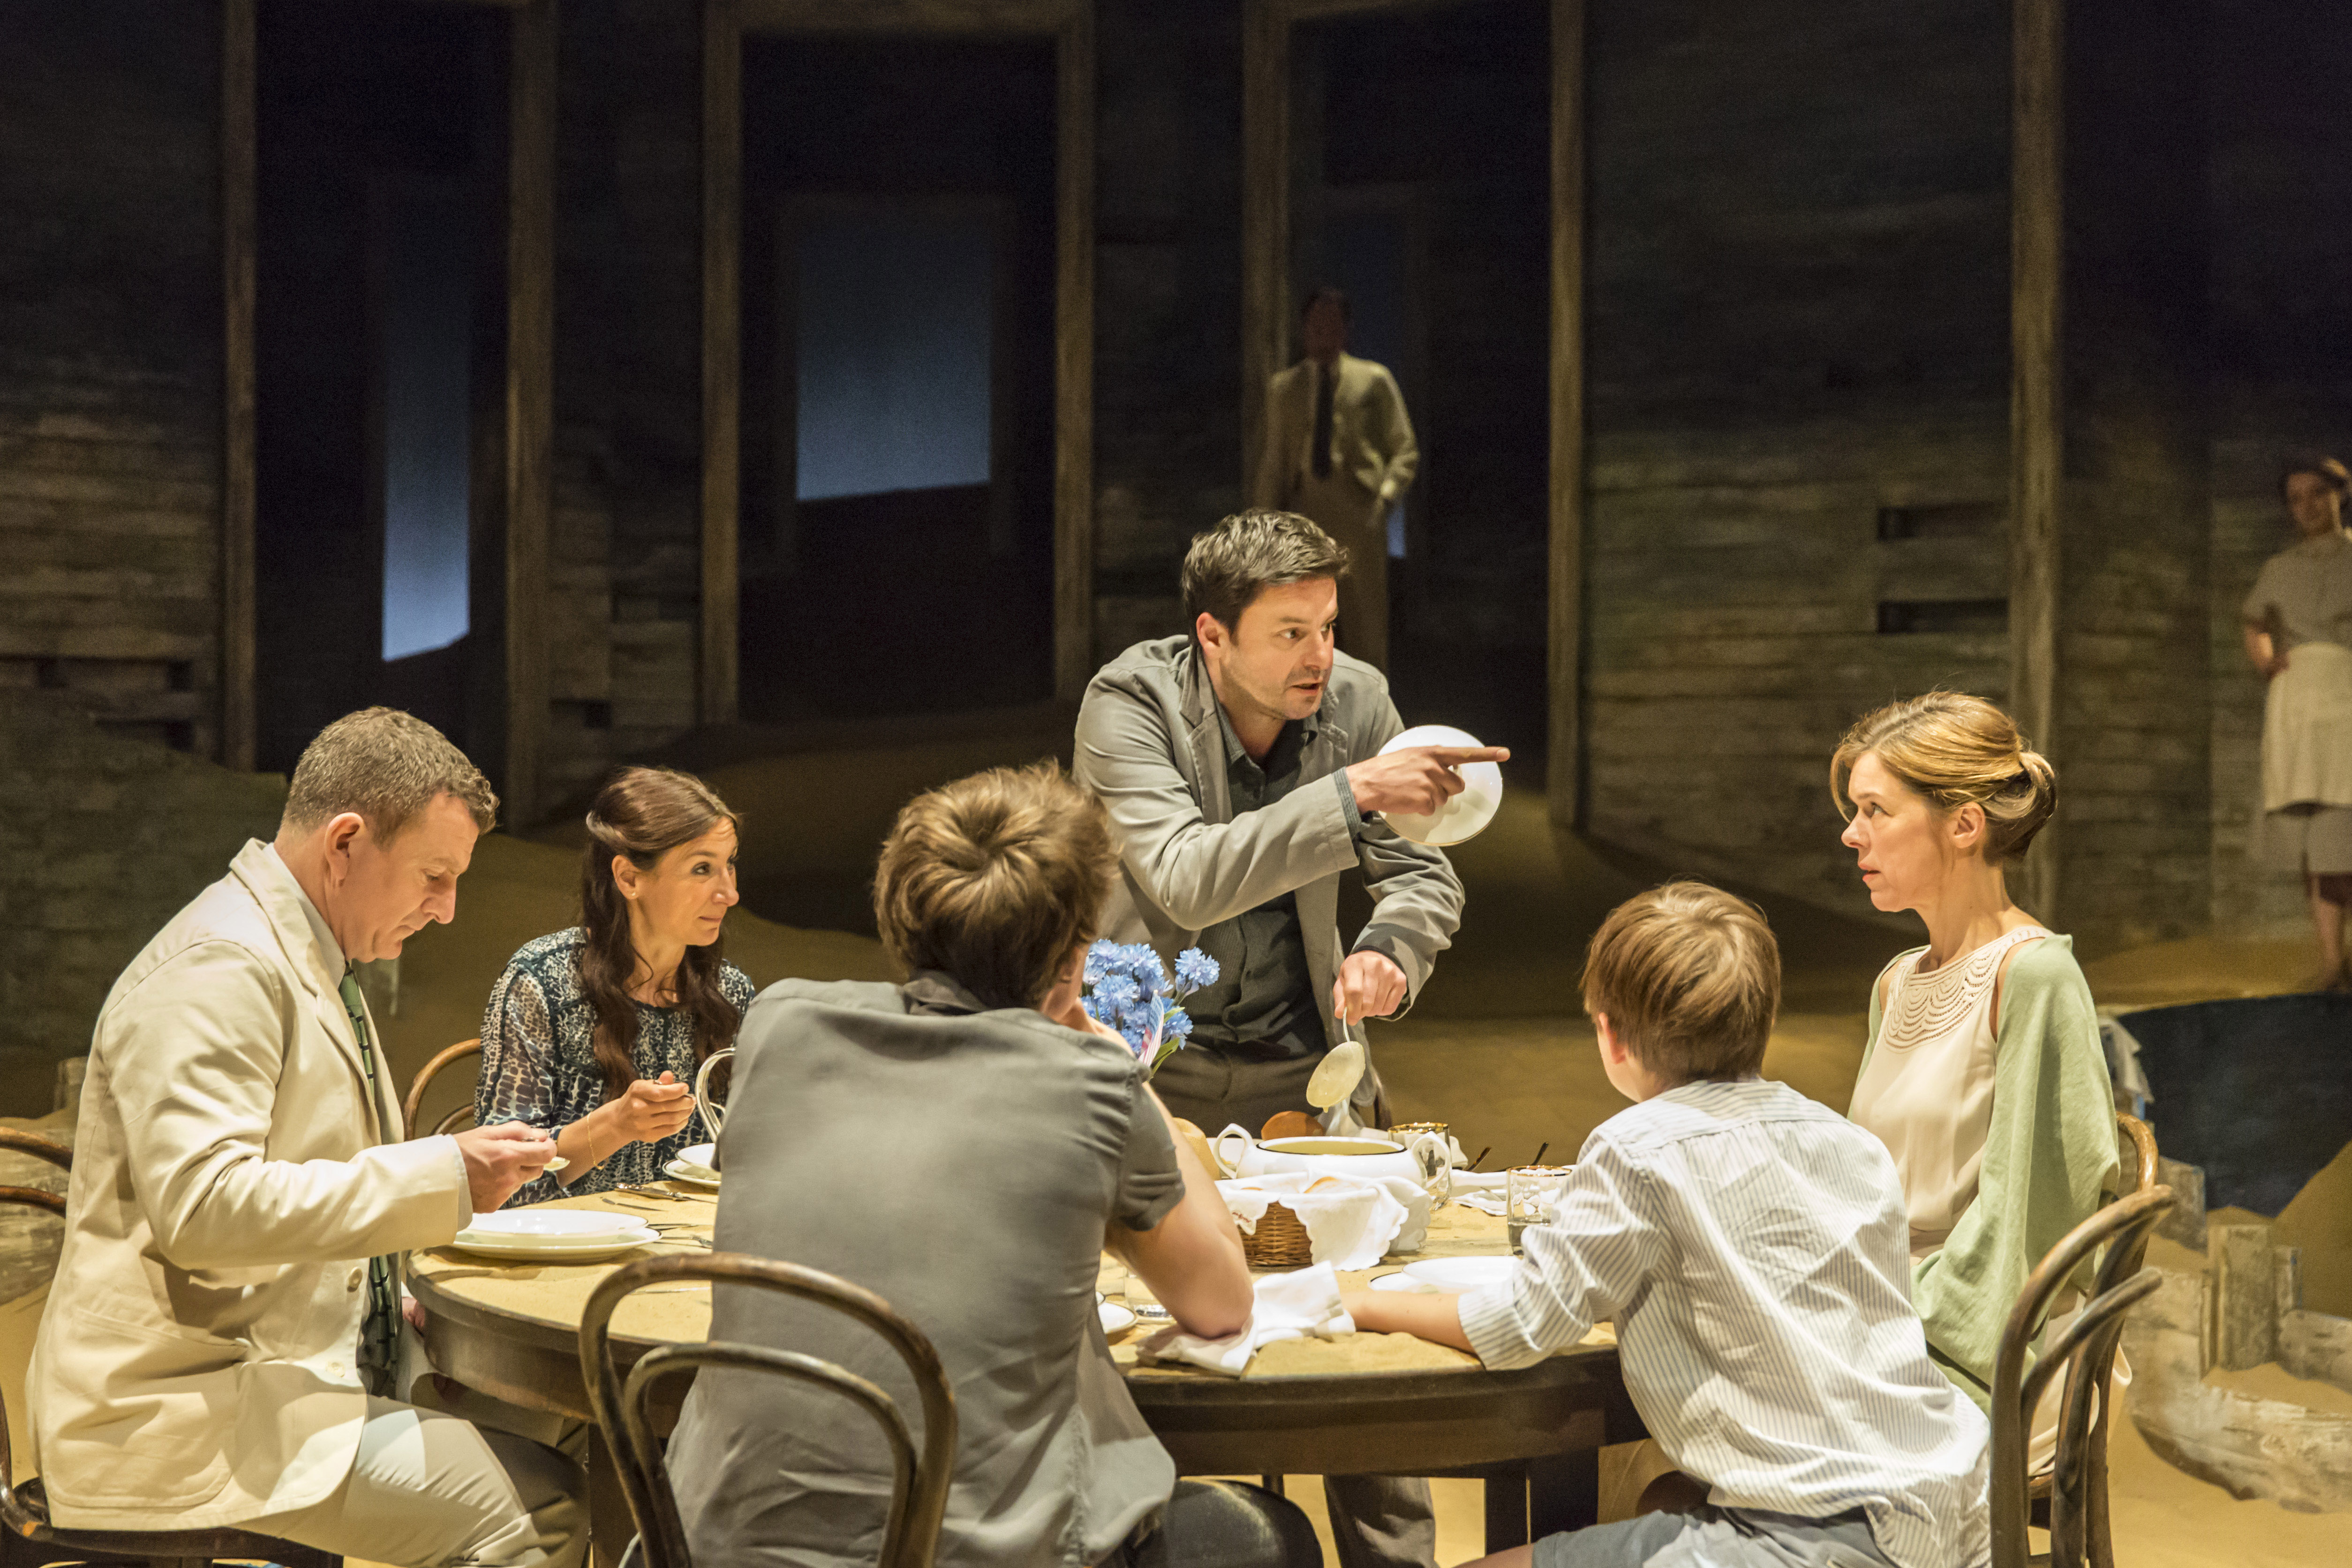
(1361, 1404)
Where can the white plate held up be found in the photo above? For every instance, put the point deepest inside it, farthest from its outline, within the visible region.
(1467, 813)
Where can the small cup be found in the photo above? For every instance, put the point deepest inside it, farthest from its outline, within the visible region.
(1529, 1195)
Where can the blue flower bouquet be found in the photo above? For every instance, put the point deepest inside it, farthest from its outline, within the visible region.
(1128, 989)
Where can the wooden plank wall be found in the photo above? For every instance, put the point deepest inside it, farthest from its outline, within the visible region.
(1167, 248)
(2281, 357)
(111, 362)
(2131, 713)
(1797, 335)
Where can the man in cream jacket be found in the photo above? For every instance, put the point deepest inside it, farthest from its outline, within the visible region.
(1340, 449)
(218, 1346)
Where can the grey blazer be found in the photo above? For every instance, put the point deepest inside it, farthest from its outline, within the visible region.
(1149, 745)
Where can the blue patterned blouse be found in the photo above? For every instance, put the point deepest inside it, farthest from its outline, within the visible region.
(539, 1060)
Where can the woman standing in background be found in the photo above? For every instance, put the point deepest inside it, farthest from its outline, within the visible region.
(595, 1034)
(2298, 628)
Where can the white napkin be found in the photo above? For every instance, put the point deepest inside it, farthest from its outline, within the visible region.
(1290, 1307)
(1480, 1190)
(1349, 1224)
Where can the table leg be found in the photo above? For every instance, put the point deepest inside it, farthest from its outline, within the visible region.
(1563, 1492)
(610, 1523)
(1507, 1505)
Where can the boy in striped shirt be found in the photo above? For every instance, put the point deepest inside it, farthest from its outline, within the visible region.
(1753, 1250)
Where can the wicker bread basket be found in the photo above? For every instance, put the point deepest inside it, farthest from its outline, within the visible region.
(1279, 1242)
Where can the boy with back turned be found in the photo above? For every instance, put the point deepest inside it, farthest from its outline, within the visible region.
(1753, 1250)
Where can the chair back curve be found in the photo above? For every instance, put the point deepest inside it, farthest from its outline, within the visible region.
(2117, 1236)
(921, 1473)
(39, 1148)
(459, 1116)
(20, 1519)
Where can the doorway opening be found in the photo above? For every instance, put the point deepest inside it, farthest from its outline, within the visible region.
(897, 533)
(377, 363)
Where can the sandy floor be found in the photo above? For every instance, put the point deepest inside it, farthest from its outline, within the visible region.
(1498, 1045)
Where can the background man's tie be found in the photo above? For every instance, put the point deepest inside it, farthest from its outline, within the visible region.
(379, 1356)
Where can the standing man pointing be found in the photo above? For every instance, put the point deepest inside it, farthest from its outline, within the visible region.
(1242, 767)
(1241, 764)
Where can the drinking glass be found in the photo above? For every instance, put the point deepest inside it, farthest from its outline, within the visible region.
(1529, 1194)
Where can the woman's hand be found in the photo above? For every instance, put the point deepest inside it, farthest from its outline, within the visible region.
(651, 1109)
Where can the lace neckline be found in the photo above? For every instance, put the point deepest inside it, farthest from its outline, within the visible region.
(1926, 1006)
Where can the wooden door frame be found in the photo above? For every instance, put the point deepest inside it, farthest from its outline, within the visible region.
(1071, 25)
(529, 386)
(1266, 325)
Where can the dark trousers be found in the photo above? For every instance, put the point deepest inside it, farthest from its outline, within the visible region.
(1212, 1088)
(1223, 1524)
(1377, 1521)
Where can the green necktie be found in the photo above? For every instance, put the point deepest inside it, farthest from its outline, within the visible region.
(379, 1356)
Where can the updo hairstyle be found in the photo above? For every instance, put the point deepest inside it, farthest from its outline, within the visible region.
(1956, 750)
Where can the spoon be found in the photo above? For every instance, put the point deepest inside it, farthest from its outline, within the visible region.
(1337, 1074)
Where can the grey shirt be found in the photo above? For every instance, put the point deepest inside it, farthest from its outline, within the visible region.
(962, 1162)
(2308, 587)
(1263, 1004)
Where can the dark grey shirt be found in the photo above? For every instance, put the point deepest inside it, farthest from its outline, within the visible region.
(1263, 1004)
(961, 1162)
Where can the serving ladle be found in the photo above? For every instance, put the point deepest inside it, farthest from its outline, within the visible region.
(1340, 1070)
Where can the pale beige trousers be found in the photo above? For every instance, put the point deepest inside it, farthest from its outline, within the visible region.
(1352, 515)
(429, 1489)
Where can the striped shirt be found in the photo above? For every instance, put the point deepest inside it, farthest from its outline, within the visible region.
(1753, 1250)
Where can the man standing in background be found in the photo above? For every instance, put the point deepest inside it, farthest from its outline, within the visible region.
(1339, 449)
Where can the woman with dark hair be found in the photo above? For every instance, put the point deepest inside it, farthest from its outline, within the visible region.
(2298, 628)
(595, 1034)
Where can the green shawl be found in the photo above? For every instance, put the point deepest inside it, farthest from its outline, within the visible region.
(2050, 1151)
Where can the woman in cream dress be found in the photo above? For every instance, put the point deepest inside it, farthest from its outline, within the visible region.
(2298, 628)
(1983, 1074)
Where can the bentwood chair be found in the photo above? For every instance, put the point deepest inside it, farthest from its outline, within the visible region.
(460, 1116)
(919, 1493)
(24, 1510)
(2078, 1525)
(39, 1148)
(2136, 1168)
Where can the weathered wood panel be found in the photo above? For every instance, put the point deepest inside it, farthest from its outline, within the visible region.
(531, 397)
(1564, 748)
(2129, 595)
(1075, 654)
(104, 839)
(111, 362)
(239, 732)
(1796, 329)
(2281, 371)
(722, 356)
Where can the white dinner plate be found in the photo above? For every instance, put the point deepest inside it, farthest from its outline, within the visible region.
(554, 1225)
(1403, 1284)
(523, 1249)
(1116, 1319)
(692, 1175)
(1467, 813)
(1453, 1276)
